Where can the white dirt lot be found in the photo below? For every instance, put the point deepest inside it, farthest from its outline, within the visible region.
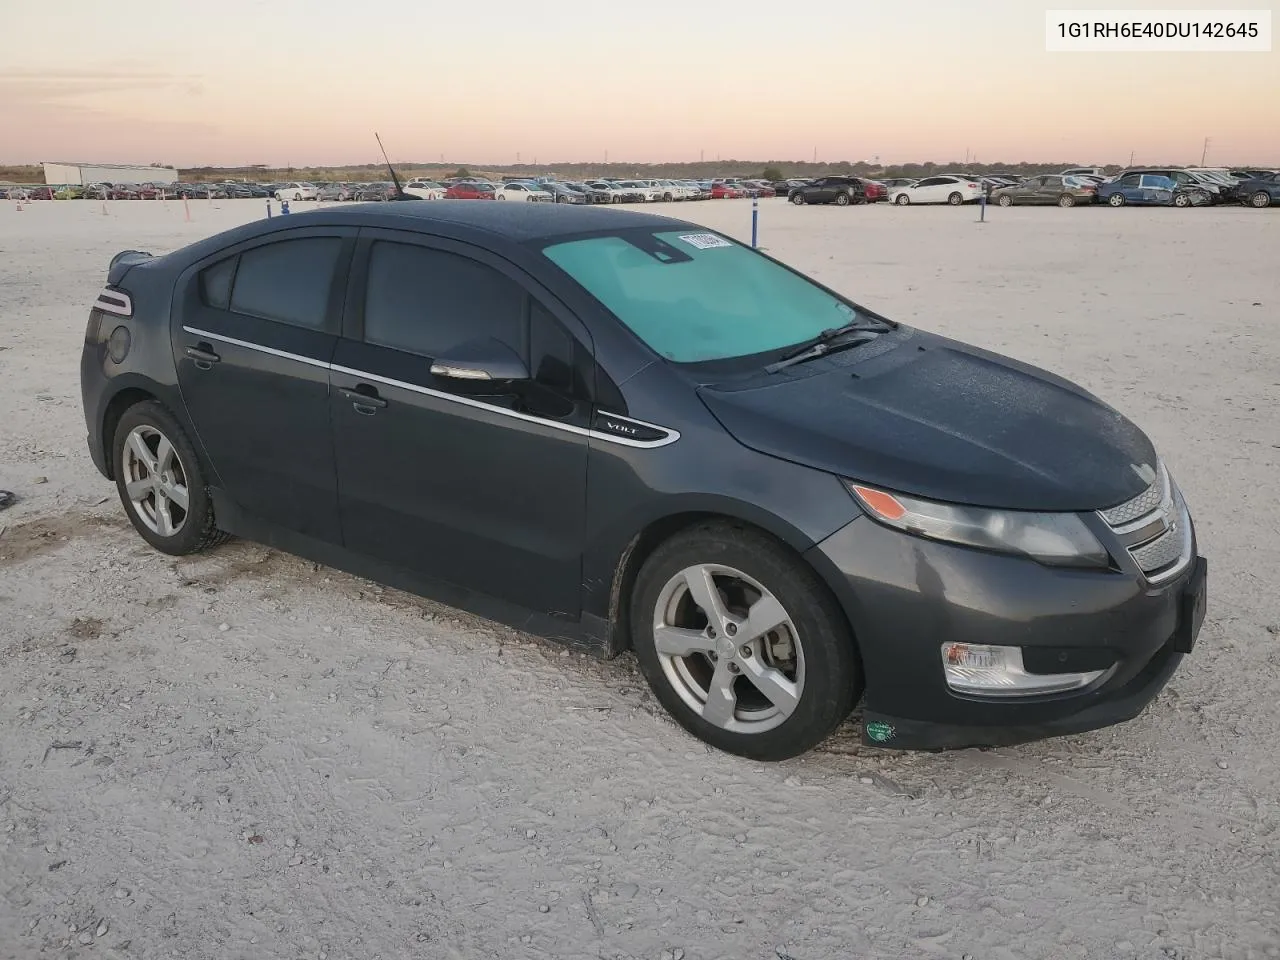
(241, 755)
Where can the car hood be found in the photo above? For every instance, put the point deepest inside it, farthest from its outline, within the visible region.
(920, 414)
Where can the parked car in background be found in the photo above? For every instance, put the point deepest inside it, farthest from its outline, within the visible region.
(1151, 189)
(425, 189)
(640, 190)
(298, 190)
(522, 193)
(565, 193)
(337, 191)
(941, 189)
(725, 191)
(1085, 172)
(841, 191)
(379, 192)
(593, 193)
(469, 190)
(607, 189)
(1260, 191)
(896, 183)
(1047, 189)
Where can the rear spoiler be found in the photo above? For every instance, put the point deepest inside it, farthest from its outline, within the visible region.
(123, 261)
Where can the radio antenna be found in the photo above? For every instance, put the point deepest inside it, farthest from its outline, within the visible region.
(400, 194)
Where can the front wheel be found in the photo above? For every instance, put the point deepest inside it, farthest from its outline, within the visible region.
(1116, 200)
(902, 200)
(955, 199)
(297, 197)
(798, 199)
(842, 199)
(1182, 200)
(1260, 199)
(1066, 200)
(742, 643)
(161, 482)
(1005, 200)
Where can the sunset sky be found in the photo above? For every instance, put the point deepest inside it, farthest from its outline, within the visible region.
(307, 81)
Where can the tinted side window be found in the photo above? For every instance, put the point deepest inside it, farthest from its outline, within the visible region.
(215, 284)
(287, 281)
(428, 301)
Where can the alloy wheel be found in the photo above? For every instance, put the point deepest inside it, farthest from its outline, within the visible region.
(1005, 201)
(155, 481)
(1260, 199)
(728, 648)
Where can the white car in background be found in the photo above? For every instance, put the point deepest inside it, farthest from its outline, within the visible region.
(675, 190)
(647, 189)
(941, 189)
(615, 192)
(426, 189)
(523, 192)
(300, 190)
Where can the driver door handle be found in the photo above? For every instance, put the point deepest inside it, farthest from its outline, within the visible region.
(203, 355)
(364, 399)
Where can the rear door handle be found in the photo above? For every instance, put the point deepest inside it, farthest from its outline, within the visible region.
(203, 355)
(365, 401)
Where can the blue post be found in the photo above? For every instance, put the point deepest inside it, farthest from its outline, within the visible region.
(268, 208)
(755, 219)
(982, 207)
(284, 206)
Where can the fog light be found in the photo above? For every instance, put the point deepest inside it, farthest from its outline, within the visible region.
(996, 671)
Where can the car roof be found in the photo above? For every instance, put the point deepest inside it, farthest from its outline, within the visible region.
(514, 221)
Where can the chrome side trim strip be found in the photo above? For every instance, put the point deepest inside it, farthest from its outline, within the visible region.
(311, 361)
(671, 436)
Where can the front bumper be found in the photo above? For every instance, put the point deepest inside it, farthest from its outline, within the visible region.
(905, 596)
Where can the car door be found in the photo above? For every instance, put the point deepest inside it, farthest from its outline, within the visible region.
(1049, 190)
(479, 484)
(254, 330)
(928, 190)
(1156, 189)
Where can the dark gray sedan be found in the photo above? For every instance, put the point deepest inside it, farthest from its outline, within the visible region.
(627, 432)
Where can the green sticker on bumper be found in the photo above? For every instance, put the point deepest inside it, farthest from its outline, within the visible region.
(879, 731)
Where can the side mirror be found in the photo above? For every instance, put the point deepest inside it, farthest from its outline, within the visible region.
(486, 359)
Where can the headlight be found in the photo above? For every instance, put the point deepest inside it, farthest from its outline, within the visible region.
(1057, 539)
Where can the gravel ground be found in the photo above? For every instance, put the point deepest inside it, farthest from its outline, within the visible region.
(246, 755)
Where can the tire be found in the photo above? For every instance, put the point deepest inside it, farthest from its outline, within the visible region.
(842, 199)
(1066, 200)
(798, 199)
(297, 197)
(808, 660)
(1116, 200)
(666, 197)
(278, 195)
(955, 199)
(902, 200)
(1005, 200)
(1181, 200)
(1260, 199)
(157, 515)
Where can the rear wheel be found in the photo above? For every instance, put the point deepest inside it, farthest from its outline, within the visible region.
(1005, 200)
(955, 199)
(742, 643)
(161, 482)
(1066, 200)
(1116, 200)
(1260, 199)
(1182, 200)
(842, 199)
(297, 196)
(798, 199)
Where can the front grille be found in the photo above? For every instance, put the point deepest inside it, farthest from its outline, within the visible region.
(1155, 528)
(1165, 550)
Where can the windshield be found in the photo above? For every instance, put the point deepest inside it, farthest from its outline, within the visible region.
(695, 296)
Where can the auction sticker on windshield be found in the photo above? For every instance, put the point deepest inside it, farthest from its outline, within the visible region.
(705, 241)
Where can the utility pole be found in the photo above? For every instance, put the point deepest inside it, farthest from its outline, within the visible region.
(1131, 158)
(702, 155)
(1205, 152)
(815, 154)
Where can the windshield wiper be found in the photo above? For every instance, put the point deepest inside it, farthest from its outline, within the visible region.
(826, 342)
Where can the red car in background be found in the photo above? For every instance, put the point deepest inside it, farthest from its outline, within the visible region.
(875, 190)
(723, 191)
(469, 191)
